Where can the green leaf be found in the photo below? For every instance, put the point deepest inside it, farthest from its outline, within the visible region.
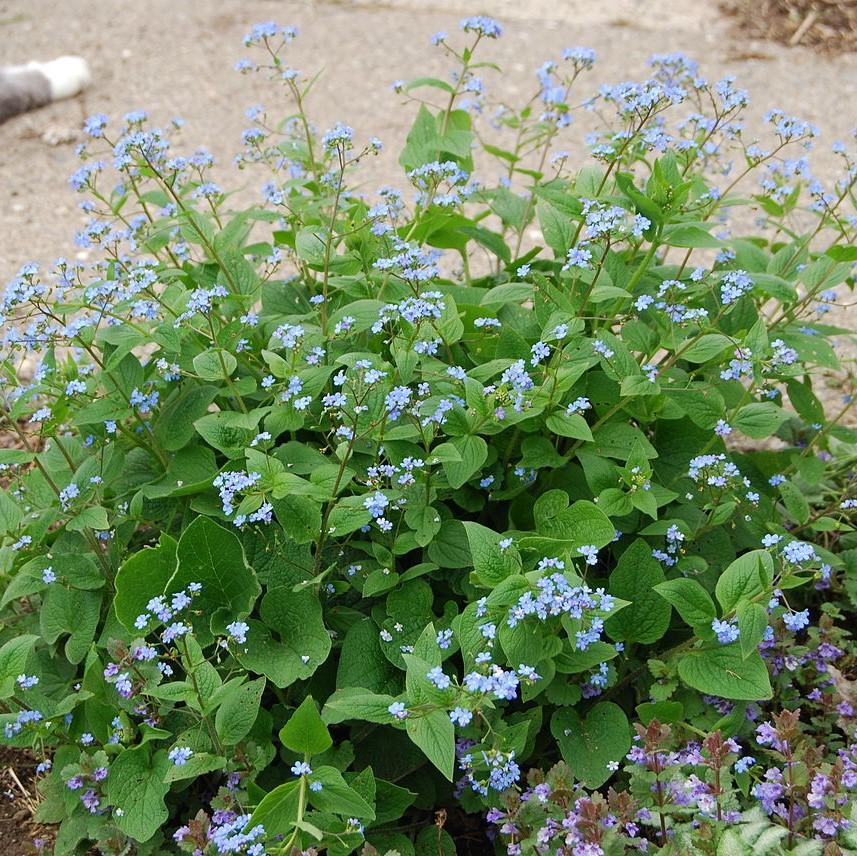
(362, 662)
(303, 644)
(228, 432)
(752, 624)
(706, 348)
(643, 204)
(13, 661)
(198, 765)
(11, 457)
(490, 563)
(841, 253)
(423, 141)
(572, 662)
(723, 671)
(238, 712)
(795, 502)
(689, 236)
(10, 514)
(310, 245)
(575, 526)
(569, 425)
(804, 400)
(702, 404)
(305, 732)
(508, 292)
(473, 451)
(760, 419)
(434, 733)
(214, 364)
(391, 801)
(434, 841)
(747, 577)
(634, 578)
(136, 785)
(429, 81)
(614, 502)
(589, 745)
(92, 517)
(336, 796)
(299, 516)
(690, 599)
(74, 612)
(357, 703)
(539, 453)
(557, 227)
(76, 570)
(621, 440)
(348, 515)
(278, 810)
(425, 521)
(213, 556)
(141, 577)
(663, 711)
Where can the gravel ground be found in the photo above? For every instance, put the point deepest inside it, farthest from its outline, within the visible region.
(176, 57)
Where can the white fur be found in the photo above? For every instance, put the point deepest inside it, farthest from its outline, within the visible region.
(67, 75)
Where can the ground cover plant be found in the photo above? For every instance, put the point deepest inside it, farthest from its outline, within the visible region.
(492, 515)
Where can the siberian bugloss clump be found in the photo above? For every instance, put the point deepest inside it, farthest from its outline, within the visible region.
(495, 514)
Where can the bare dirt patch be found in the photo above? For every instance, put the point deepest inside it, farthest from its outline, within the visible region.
(18, 802)
(829, 26)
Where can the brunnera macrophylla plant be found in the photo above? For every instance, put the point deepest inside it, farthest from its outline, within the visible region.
(333, 512)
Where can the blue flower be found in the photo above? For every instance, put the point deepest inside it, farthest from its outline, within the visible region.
(483, 25)
(734, 284)
(744, 764)
(798, 552)
(590, 552)
(795, 621)
(600, 348)
(339, 137)
(438, 678)
(540, 351)
(375, 504)
(94, 125)
(461, 716)
(180, 755)
(398, 710)
(238, 631)
(727, 631)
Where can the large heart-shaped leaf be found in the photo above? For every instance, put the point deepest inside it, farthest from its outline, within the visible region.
(136, 785)
(303, 645)
(589, 746)
(723, 671)
(213, 556)
(647, 617)
(141, 577)
(491, 563)
(571, 527)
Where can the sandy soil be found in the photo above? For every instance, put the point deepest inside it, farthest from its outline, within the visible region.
(176, 57)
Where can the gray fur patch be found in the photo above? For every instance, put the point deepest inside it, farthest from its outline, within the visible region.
(22, 89)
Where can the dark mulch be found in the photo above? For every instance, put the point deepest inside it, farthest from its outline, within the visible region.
(829, 26)
(18, 800)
